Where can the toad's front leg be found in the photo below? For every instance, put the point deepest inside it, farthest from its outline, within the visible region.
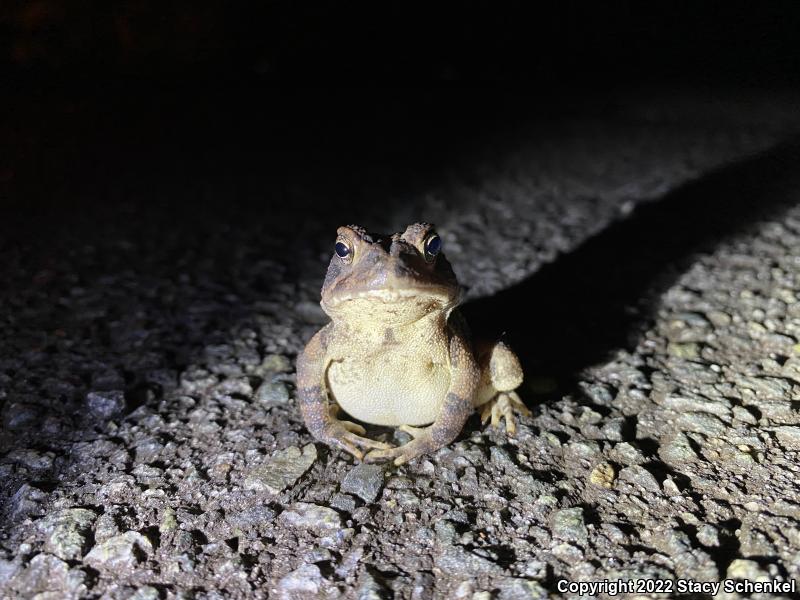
(501, 374)
(456, 409)
(319, 417)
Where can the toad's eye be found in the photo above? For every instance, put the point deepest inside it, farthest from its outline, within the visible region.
(433, 245)
(343, 251)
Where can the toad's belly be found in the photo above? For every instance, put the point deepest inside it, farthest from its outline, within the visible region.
(388, 392)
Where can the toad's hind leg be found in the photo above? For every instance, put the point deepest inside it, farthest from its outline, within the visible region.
(501, 374)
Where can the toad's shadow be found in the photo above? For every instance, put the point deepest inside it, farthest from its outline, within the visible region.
(574, 312)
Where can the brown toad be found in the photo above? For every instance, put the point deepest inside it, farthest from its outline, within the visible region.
(396, 351)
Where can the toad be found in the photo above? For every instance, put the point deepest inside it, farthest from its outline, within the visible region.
(397, 352)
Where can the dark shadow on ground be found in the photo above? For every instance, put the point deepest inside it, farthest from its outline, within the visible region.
(574, 312)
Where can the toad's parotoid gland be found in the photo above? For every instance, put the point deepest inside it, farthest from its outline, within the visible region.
(396, 352)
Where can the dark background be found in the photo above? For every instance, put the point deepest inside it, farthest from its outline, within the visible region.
(564, 43)
(96, 93)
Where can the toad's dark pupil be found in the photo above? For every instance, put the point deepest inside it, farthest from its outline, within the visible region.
(434, 245)
(342, 251)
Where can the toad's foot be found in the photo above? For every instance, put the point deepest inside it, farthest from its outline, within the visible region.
(414, 432)
(504, 405)
(422, 443)
(348, 436)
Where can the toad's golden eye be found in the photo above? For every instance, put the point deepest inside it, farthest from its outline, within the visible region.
(433, 245)
(343, 251)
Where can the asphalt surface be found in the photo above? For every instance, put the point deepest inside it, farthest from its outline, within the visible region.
(157, 287)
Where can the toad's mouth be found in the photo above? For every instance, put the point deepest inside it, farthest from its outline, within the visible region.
(421, 294)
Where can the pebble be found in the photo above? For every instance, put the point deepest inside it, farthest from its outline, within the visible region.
(168, 521)
(677, 450)
(465, 590)
(233, 385)
(568, 524)
(603, 475)
(516, 588)
(26, 501)
(8, 569)
(744, 415)
(708, 535)
(708, 425)
(719, 318)
(569, 553)
(692, 403)
(746, 569)
(406, 498)
(364, 481)
(502, 459)
(791, 368)
(305, 581)
(445, 531)
(362, 515)
(627, 454)
(148, 450)
(271, 393)
(123, 551)
(669, 540)
(47, 573)
(612, 429)
(105, 527)
(147, 475)
(274, 363)
(18, 415)
(753, 541)
(670, 487)
(281, 470)
(598, 393)
(684, 350)
(106, 404)
(304, 515)
(583, 449)
(788, 436)
(458, 561)
(768, 388)
(343, 502)
(251, 517)
(641, 477)
(31, 459)
(146, 592)
(65, 532)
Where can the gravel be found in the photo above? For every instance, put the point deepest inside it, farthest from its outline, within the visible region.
(105, 405)
(65, 532)
(281, 470)
(272, 392)
(120, 553)
(364, 481)
(644, 266)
